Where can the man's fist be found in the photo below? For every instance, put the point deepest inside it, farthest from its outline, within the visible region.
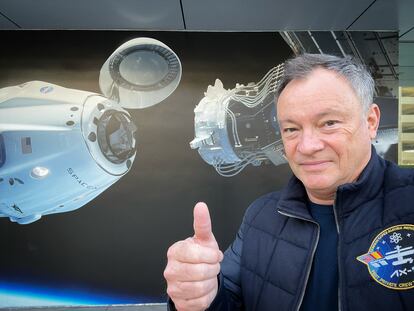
(193, 266)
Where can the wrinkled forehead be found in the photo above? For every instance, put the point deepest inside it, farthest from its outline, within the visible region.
(322, 90)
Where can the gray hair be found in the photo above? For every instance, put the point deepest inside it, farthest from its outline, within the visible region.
(348, 67)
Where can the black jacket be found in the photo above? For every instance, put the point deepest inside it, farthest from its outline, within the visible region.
(268, 264)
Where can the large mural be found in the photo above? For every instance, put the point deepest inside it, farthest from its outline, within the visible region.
(81, 109)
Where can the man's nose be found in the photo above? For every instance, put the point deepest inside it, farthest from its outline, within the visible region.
(310, 142)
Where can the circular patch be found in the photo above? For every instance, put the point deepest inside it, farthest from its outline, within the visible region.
(390, 259)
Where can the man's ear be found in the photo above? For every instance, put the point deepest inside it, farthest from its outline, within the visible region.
(373, 120)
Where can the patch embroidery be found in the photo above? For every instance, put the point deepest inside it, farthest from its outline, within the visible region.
(390, 259)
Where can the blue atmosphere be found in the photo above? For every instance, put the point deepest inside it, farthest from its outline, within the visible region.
(23, 295)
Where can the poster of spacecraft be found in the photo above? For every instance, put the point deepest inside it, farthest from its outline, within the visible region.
(109, 138)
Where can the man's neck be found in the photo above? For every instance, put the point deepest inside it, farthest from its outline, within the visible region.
(322, 199)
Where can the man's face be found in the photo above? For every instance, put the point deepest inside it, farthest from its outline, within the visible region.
(326, 135)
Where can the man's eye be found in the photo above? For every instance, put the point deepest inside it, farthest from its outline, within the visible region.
(330, 123)
(289, 130)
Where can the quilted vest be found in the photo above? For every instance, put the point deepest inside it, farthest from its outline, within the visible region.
(268, 264)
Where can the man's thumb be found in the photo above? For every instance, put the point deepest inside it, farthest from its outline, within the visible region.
(202, 223)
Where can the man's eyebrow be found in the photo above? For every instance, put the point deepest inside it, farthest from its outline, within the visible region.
(322, 114)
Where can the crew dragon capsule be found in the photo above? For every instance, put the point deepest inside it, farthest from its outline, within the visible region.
(60, 147)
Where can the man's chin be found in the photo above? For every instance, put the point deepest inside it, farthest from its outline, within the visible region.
(317, 183)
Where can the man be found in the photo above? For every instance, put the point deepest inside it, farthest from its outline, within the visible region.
(338, 237)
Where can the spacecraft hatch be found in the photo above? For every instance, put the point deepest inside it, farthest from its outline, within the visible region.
(140, 73)
(60, 147)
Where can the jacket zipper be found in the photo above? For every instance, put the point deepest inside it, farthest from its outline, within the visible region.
(338, 255)
(302, 294)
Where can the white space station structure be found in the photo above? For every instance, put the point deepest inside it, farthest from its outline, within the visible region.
(238, 127)
(60, 147)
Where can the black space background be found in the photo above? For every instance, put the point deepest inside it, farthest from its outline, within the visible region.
(117, 243)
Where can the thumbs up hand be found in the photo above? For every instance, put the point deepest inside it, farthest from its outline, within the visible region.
(193, 265)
